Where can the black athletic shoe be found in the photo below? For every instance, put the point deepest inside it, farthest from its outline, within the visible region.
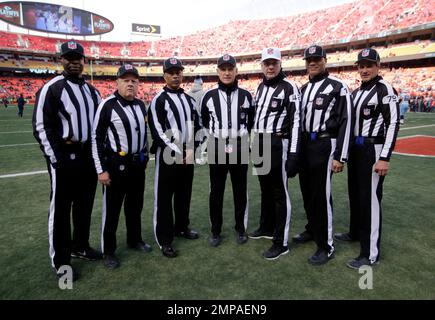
(89, 254)
(346, 237)
(215, 240)
(302, 237)
(111, 261)
(188, 234)
(320, 257)
(141, 246)
(258, 234)
(275, 251)
(168, 251)
(241, 238)
(361, 262)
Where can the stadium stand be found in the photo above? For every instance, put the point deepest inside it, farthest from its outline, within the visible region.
(419, 81)
(27, 61)
(340, 23)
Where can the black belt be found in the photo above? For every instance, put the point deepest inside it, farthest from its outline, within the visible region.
(282, 135)
(128, 156)
(75, 145)
(313, 136)
(369, 140)
(238, 138)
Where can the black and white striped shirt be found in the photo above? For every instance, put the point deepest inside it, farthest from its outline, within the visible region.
(173, 120)
(377, 113)
(277, 103)
(119, 126)
(327, 107)
(64, 111)
(227, 112)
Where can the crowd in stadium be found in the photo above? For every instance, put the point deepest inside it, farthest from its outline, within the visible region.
(345, 22)
(419, 82)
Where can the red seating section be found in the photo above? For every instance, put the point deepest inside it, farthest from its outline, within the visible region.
(346, 21)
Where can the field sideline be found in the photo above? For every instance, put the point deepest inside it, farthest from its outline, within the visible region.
(230, 271)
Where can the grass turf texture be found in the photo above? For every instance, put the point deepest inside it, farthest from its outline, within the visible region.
(229, 271)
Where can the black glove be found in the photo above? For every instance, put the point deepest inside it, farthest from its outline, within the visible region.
(292, 166)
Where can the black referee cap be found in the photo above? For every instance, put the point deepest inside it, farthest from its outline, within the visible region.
(172, 63)
(72, 48)
(368, 54)
(127, 69)
(314, 51)
(226, 59)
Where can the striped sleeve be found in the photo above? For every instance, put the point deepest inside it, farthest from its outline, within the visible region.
(98, 96)
(145, 147)
(251, 111)
(197, 123)
(205, 115)
(99, 134)
(294, 113)
(45, 123)
(345, 107)
(156, 119)
(390, 113)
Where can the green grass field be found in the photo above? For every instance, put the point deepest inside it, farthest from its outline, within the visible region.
(230, 271)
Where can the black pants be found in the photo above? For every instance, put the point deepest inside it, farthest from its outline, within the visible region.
(172, 184)
(218, 177)
(275, 200)
(73, 186)
(365, 196)
(127, 186)
(315, 179)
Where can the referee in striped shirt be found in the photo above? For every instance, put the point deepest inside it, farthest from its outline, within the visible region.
(62, 123)
(120, 151)
(227, 114)
(277, 125)
(174, 124)
(326, 132)
(376, 128)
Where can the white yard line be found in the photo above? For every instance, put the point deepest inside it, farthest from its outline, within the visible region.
(413, 155)
(412, 136)
(411, 128)
(13, 175)
(21, 174)
(15, 132)
(18, 145)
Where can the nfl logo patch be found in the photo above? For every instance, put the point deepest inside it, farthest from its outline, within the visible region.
(72, 45)
(128, 67)
(226, 57)
(365, 52)
(311, 50)
(319, 101)
(173, 61)
(270, 51)
(242, 115)
(366, 111)
(274, 104)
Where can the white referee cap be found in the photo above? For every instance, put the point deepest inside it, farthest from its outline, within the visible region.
(271, 53)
